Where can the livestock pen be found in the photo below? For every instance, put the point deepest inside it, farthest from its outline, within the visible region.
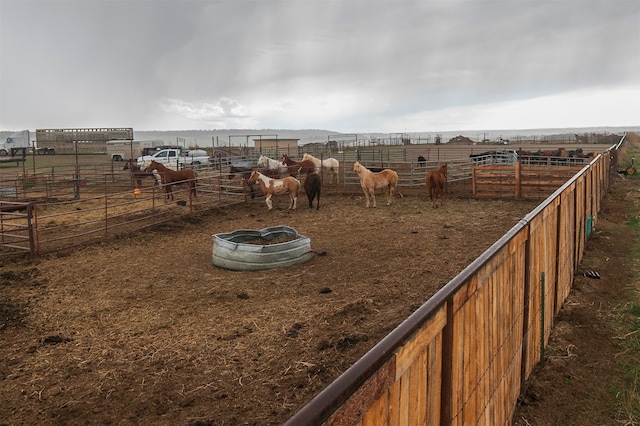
(54, 208)
(464, 355)
(216, 404)
(54, 217)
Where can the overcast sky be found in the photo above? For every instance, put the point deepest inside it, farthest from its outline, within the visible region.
(346, 66)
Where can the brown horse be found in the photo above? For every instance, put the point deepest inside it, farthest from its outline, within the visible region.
(171, 177)
(271, 187)
(313, 187)
(370, 181)
(436, 181)
(136, 172)
(298, 168)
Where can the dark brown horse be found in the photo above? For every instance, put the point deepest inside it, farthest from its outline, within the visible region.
(313, 186)
(137, 174)
(297, 168)
(171, 177)
(436, 181)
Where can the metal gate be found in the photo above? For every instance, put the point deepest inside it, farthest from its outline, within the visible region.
(16, 230)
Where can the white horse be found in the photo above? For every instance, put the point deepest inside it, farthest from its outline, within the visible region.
(330, 165)
(268, 163)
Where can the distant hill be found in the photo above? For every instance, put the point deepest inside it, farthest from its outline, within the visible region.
(245, 137)
(239, 137)
(242, 137)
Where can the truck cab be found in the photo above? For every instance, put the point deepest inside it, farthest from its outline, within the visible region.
(166, 155)
(175, 158)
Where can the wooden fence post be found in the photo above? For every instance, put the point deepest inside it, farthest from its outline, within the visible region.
(525, 311)
(473, 180)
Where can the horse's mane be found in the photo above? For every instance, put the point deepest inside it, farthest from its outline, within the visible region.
(160, 166)
(304, 166)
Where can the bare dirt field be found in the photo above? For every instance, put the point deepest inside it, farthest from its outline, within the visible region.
(145, 330)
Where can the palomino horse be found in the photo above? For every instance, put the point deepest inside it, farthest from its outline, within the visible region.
(271, 187)
(313, 186)
(330, 165)
(298, 168)
(268, 163)
(436, 182)
(136, 172)
(171, 177)
(370, 181)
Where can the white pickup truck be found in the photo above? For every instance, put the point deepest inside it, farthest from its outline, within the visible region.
(175, 158)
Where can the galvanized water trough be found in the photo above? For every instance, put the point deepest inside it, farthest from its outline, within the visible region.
(242, 250)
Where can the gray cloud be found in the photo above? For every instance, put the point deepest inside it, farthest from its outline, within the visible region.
(339, 65)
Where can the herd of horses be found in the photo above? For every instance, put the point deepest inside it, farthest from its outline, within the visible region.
(555, 156)
(269, 176)
(284, 177)
(559, 156)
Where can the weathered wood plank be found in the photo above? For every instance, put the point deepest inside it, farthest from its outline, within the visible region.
(408, 353)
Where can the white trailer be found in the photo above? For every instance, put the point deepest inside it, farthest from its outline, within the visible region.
(20, 142)
(16, 142)
(121, 150)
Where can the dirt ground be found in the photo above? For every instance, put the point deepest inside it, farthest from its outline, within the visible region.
(145, 330)
(582, 377)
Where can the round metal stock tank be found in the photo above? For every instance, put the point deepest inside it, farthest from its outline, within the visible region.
(241, 250)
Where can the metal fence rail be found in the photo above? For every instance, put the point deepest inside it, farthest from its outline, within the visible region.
(37, 228)
(16, 233)
(73, 205)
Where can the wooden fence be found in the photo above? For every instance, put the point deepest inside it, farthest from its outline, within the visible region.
(519, 181)
(462, 358)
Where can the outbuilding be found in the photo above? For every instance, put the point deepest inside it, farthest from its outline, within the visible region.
(276, 147)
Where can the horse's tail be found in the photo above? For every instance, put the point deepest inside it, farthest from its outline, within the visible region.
(298, 185)
(393, 181)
